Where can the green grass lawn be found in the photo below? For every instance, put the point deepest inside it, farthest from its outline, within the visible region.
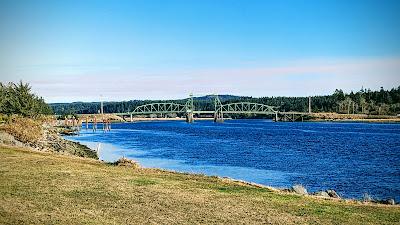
(43, 188)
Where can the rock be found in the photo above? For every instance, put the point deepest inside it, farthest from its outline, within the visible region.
(322, 194)
(8, 139)
(388, 202)
(299, 189)
(367, 198)
(332, 194)
(51, 141)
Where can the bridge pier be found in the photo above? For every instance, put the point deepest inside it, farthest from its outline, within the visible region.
(189, 117)
(218, 117)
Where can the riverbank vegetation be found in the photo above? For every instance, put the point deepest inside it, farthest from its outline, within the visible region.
(42, 188)
(23, 129)
(25, 121)
(365, 101)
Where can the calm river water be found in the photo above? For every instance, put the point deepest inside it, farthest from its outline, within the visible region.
(352, 158)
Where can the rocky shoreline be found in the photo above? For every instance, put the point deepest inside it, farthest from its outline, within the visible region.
(332, 194)
(50, 140)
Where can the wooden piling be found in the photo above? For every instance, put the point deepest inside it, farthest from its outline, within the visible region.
(94, 123)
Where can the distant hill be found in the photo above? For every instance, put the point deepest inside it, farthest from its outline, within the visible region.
(365, 101)
(221, 97)
(127, 106)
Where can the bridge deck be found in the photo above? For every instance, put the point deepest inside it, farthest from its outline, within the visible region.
(207, 112)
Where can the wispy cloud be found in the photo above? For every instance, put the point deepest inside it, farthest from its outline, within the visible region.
(289, 78)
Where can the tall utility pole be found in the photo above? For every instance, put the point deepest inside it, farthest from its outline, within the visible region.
(101, 111)
(309, 104)
(101, 104)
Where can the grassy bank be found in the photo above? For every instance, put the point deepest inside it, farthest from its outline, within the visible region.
(42, 188)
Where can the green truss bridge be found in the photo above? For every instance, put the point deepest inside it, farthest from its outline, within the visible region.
(219, 111)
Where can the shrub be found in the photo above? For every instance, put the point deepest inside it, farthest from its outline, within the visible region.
(23, 129)
(126, 162)
(3, 118)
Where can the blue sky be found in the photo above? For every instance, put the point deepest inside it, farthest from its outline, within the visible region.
(145, 49)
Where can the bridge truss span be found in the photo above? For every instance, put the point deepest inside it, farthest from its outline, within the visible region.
(220, 109)
(247, 108)
(160, 108)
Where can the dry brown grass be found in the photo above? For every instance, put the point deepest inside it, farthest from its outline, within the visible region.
(355, 117)
(24, 129)
(44, 188)
(126, 162)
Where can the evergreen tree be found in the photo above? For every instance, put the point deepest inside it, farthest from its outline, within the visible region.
(18, 99)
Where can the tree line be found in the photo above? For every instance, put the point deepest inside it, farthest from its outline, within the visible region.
(365, 101)
(17, 98)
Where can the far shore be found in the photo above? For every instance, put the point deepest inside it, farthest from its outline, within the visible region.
(336, 117)
(316, 119)
(313, 117)
(358, 120)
